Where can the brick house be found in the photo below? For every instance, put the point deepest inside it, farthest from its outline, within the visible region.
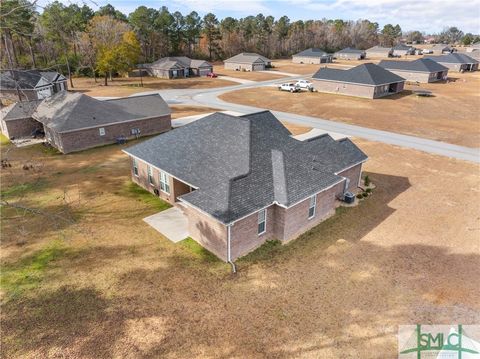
(421, 70)
(74, 121)
(30, 85)
(349, 53)
(312, 56)
(178, 67)
(247, 61)
(456, 62)
(16, 119)
(366, 80)
(403, 50)
(243, 180)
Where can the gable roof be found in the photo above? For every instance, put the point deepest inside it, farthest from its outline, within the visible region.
(350, 50)
(379, 49)
(442, 47)
(247, 58)
(403, 47)
(455, 58)
(22, 79)
(312, 52)
(365, 74)
(66, 111)
(53, 76)
(240, 165)
(419, 65)
(177, 62)
(19, 110)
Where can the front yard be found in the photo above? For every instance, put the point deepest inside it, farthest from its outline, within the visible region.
(86, 277)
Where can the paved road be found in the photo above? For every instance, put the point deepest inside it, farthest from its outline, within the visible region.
(209, 97)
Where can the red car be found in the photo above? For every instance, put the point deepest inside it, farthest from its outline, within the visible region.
(212, 75)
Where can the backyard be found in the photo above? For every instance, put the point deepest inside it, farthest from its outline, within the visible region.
(84, 276)
(451, 115)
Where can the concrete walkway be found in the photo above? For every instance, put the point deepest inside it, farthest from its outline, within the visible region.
(236, 79)
(315, 132)
(171, 223)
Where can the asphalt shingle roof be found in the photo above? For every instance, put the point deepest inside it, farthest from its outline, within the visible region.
(454, 58)
(350, 50)
(248, 58)
(19, 110)
(403, 47)
(243, 164)
(179, 62)
(365, 74)
(420, 65)
(66, 111)
(312, 52)
(379, 49)
(20, 79)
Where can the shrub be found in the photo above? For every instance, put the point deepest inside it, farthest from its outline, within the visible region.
(359, 196)
(368, 190)
(367, 181)
(365, 194)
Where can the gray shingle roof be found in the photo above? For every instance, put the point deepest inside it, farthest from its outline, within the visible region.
(420, 65)
(247, 58)
(243, 164)
(350, 50)
(21, 79)
(178, 62)
(19, 110)
(403, 47)
(379, 49)
(455, 58)
(312, 52)
(66, 111)
(365, 74)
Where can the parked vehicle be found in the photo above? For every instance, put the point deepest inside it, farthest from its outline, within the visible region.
(427, 51)
(304, 85)
(212, 75)
(289, 87)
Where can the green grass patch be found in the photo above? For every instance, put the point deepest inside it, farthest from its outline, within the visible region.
(198, 251)
(45, 149)
(20, 189)
(29, 272)
(135, 191)
(4, 139)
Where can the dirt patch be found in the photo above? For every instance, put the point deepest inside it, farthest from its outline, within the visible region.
(407, 254)
(128, 86)
(186, 110)
(449, 116)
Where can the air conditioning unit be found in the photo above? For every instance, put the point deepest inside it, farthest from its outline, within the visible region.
(348, 197)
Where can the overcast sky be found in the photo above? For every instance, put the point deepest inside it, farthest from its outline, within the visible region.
(430, 16)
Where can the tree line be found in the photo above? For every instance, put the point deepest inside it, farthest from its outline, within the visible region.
(76, 39)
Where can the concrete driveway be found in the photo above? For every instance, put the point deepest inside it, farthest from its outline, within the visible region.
(171, 223)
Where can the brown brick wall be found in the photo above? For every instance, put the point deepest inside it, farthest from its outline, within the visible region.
(88, 138)
(310, 60)
(419, 76)
(235, 66)
(353, 174)
(208, 232)
(19, 128)
(343, 89)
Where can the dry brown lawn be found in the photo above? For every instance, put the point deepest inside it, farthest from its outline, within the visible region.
(125, 86)
(106, 285)
(247, 75)
(452, 115)
(187, 110)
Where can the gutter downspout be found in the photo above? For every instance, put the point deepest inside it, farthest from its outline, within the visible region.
(229, 250)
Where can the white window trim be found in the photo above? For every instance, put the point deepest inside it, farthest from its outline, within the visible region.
(100, 130)
(135, 166)
(166, 183)
(264, 221)
(314, 206)
(150, 176)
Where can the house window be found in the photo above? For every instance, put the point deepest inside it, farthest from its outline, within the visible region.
(150, 175)
(135, 131)
(262, 221)
(312, 207)
(135, 167)
(101, 130)
(164, 182)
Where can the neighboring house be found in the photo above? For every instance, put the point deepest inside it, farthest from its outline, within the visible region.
(178, 67)
(243, 180)
(350, 54)
(456, 62)
(403, 50)
(441, 49)
(379, 51)
(74, 122)
(421, 70)
(28, 85)
(247, 61)
(16, 120)
(366, 80)
(312, 56)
